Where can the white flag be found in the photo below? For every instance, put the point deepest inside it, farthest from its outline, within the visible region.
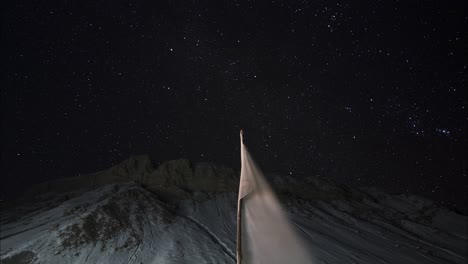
(264, 233)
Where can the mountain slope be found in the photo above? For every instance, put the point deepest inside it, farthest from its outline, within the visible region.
(182, 215)
(114, 224)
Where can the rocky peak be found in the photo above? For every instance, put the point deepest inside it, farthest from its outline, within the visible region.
(172, 179)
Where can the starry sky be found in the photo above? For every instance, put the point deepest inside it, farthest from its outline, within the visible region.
(369, 93)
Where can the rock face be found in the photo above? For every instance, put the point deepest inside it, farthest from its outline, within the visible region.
(175, 179)
(186, 213)
(178, 179)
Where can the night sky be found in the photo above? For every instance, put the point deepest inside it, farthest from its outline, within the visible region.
(369, 93)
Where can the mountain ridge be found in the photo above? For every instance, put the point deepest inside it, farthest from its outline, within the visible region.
(182, 212)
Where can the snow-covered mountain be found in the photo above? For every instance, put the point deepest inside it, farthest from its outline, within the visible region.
(186, 213)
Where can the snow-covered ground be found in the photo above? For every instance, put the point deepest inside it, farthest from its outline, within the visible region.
(114, 224)
(392, 230)
(126, 223)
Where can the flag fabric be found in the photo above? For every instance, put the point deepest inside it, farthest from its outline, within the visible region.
(265, 235)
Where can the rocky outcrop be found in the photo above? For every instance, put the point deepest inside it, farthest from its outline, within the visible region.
(175, 179)
(178, 179)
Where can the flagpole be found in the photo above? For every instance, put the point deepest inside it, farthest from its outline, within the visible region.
(239, 209)
(239, 247)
